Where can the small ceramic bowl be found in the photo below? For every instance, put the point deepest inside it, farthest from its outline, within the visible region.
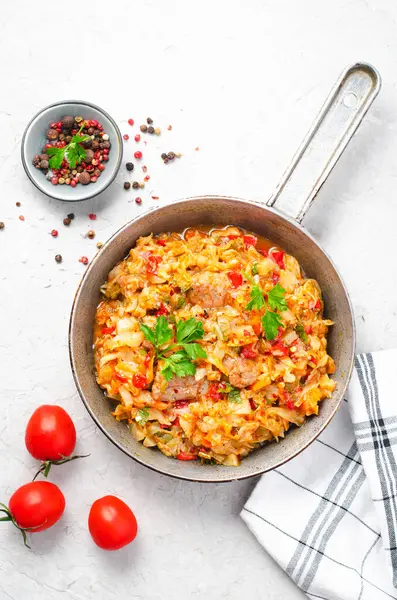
(34, 140)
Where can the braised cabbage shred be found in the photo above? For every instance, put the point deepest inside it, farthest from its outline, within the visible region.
(211, 344)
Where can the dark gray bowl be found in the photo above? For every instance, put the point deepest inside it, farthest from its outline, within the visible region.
(34, 139)
(212, 210)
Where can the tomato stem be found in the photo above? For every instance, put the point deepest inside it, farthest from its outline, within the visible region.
(46, 465)
(9, 517)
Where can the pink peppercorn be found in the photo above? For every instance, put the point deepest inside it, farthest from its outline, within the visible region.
(146, 178)
(138, 154)
(84, 260)
(101, 167)
(130, 122)
(92, 216)
(54, 180)
(73, 183)
(54, 233)
(126, 137)
(137, 138)
(105, 158)
(138, 200)
(93, 179)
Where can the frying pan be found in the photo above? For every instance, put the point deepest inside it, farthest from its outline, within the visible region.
(280, 221)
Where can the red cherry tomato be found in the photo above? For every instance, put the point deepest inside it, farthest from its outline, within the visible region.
(37, 505)
(186, 456)
(278, 257)
(50, 433)
(250, 240)
(235, 278)
(139, 381)
(112, 523)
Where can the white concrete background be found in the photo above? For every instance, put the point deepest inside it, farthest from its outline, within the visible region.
(243, 81)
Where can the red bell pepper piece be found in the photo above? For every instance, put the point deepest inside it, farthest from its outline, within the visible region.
(186, 456)
(106, 330)
(278, 257)
(235, 278)
(139, 381)
(249, 351)
(250, 240)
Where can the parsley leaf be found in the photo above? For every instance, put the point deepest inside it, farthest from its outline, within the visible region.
(56, 157)
(276, 298)
(234, 396)
(142, 416)
(74, 153)
(163, 332)
(257, 300)
(194, 351)
(178, 364)
(300, 330)
(189, 331)
(149, 333)
(271, 321)
(254, 269)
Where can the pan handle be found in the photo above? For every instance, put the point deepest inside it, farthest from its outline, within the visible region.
(329, 135)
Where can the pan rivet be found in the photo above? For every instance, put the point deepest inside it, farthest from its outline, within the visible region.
(350, 100)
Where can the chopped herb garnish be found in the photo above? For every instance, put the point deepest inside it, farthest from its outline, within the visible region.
(271, 321)
(254, 269)
(142, 416)
(300, 330)
(234, 396)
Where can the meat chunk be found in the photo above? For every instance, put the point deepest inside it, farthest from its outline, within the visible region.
(241, 371)
(210, 290)
(178, 388)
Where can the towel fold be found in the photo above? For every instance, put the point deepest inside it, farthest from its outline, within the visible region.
(329, 516)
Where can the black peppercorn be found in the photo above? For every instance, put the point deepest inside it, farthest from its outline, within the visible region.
(44, 164)
(127, 185)
(90, 131)
(165, 160)
(58, 258)
(171, 155)
(135, 185)
(91, 234)
(68, 122)
(129, 166)
(89, 155)
(84, 178)
(150, 129)
(149, 121)
(95, 145)
(164, 155)
(143, 128)
(68, 139)
(2, 225)
(67, 221)
(71, 216)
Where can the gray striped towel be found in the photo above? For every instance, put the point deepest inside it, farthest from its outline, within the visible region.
(329, 516)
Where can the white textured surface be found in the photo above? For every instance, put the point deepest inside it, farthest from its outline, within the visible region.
(243, 81)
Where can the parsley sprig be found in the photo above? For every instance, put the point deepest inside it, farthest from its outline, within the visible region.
(178, 358)
(73, 152)
(271, 320)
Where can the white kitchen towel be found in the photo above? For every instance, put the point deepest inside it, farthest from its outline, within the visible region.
(329, 516)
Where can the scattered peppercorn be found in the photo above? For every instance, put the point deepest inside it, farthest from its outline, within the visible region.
(58, 258)
(130, 122)
(129, 166)
(2, 225)
(163, 155)
(138, 154)
(54, 233)
(99, 245)
(84, 178)
(84, 260)
(171, 155)
(135, 185)
(92, 216)
(138, 200)
(21, 218)
(143, 128)
(127, 185)
(126, 137)
(91, 234)
(137, 138)
(150, 129)
(71, 216)
(144, 168)
(157, 131)
(17, 204)
(169, 127)
(141, 184)
(149, 121)
(146, 178)
(155, 198)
